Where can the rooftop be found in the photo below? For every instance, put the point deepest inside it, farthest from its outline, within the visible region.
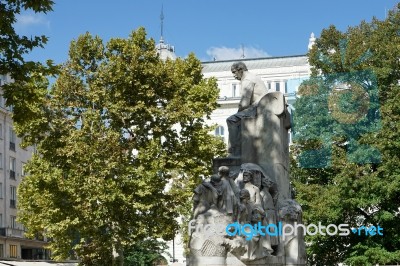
(257, 63)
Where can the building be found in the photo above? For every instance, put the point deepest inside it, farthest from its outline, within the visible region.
(13, 244)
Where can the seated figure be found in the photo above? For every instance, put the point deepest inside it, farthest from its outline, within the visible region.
(252, 90)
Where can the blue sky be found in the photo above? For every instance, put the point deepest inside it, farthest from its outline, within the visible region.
(209, 28)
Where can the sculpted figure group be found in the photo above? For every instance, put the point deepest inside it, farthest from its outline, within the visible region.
(239, 200)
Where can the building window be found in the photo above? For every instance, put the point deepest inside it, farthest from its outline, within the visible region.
(13, 222)
(1, 101)
(13, 197)
(1, 129)
(1, 251)
(269, 86)
(1, 160)
(220, 131)
(23, 167)
(1, 220)
(277, 86)
(1, 190)
(12, 139)
(235, 90)
(13, 251)
(12, 168)
(286, 87)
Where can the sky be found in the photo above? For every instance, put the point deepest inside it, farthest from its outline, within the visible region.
(211, 29)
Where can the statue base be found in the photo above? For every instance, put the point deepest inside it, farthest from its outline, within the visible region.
(231, 260)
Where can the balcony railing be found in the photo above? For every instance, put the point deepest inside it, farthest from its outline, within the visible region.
(14, 232)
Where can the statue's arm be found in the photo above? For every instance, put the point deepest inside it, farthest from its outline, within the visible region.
(258, 196)
(247, 92)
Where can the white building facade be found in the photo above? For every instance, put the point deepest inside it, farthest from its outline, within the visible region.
(13, 244)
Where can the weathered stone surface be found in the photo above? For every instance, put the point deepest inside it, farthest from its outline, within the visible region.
(260, 168)
(265, 140)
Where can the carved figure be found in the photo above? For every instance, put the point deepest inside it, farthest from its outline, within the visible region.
(269, 197)
(253, 190)
(292, 246)
(252, 89)
(231, 195)
(205, 196)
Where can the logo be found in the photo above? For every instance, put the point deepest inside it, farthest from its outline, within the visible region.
(337, 108)
(249, 231)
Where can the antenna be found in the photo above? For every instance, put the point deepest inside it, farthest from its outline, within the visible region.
(162, 21)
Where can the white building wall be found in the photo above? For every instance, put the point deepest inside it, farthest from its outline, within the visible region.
(12, 160)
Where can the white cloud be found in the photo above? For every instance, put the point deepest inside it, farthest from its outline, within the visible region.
(27, 20)
(226, 53)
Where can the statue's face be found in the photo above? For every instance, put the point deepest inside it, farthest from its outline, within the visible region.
(266, 183)
(246, 177)
(237, 73)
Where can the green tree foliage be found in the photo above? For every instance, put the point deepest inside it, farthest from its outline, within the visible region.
(13, 47)
(351, 184)
(116, 128)
(145, 253)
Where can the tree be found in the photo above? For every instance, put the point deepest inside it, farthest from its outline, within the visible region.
(347, 166)
(145, 253)
(13, 47)
(116, 127)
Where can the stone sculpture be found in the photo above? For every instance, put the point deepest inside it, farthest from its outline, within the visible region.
(252, 89)
(252, 189)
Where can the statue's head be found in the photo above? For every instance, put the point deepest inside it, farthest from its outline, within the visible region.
(267, 182)
(215, 179)
(223, 171)
(237, 70)
(247, 176)
(244, 194)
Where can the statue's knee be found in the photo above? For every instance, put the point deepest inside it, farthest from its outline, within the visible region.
(232, 120)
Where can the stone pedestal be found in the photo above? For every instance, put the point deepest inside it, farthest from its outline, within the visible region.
(262, 167)
(265, 140)
(207, 261)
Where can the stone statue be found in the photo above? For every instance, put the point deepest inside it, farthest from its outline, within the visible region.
(252, 89)
(253, 190)
(252, 214)
(207, 246)
(260, 195)
(205, 196)
(269, 198)
(292, 247)
(231, 206)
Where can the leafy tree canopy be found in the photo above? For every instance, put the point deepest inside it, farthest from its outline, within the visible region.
(13, 47)
(347, 167)
(118, 125)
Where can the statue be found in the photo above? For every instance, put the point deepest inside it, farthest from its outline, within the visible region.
(252, 89)
(292, 247)
(205, 196)
(231, 206)
(252, 214)
(269, 198)
(260, 195)
(253, 190)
